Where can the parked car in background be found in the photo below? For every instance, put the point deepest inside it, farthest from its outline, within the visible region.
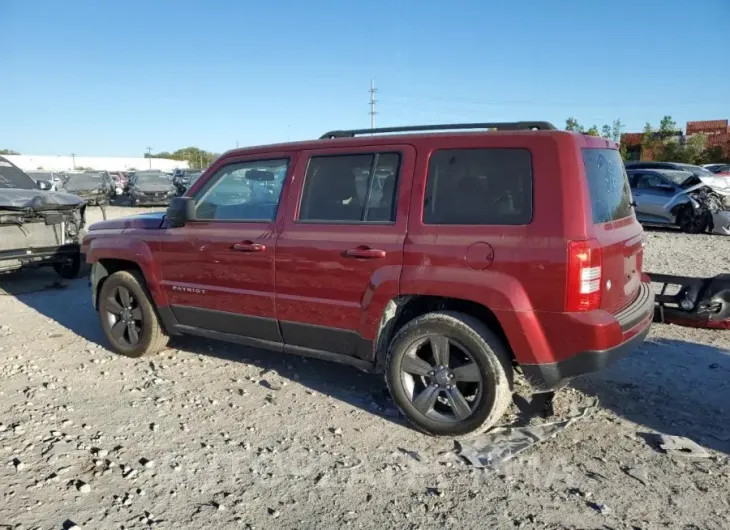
(38, 227)
(698, 171)
(440, 259)
(56, 179)
(95, 187)
(718, 169)
(186, 178)
(151, 188)
(679, 198)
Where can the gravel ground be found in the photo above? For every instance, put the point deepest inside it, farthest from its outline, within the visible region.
(212, 435)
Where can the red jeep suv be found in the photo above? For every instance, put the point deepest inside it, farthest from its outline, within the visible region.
(443, 257)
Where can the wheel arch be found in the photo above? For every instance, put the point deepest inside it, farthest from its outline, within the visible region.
(402, 309)
(105, 267)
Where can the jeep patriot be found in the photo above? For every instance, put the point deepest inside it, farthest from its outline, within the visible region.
(445, 257)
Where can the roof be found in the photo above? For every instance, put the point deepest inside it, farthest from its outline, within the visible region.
(413, 138)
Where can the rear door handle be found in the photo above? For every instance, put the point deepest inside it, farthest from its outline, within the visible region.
(249, 246)
(365, 253)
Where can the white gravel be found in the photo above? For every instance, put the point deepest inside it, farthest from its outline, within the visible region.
(320, 446)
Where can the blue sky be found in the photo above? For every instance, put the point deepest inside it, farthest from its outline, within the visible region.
(112, 77)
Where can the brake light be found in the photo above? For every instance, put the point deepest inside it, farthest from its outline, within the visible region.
(584, 276)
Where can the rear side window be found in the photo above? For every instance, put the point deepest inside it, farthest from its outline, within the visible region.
(608, 185)
(479, 187)
(356, 188)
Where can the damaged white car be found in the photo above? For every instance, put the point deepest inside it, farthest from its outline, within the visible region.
(38, 227)
(693, 203)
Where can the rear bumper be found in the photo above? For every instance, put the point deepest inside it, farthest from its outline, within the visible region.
(634, 323)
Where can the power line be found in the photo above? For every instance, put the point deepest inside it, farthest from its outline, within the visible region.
(373, 90)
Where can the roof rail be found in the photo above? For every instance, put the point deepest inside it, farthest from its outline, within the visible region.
(500, 126)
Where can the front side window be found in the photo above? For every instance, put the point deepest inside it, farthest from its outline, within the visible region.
(479, 187)
(357, 188)
(246, 191)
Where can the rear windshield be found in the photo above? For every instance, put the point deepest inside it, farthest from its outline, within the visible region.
(608, 185)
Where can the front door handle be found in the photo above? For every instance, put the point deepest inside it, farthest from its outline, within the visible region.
(365, 253)
(249, 246)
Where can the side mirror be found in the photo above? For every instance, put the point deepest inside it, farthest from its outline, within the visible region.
(180, 211)
(44, 185)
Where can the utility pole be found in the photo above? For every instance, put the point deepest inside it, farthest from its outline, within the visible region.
(373, 101)
(149, 155)
(73, 159)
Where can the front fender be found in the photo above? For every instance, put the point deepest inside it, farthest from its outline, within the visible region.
(129, 248)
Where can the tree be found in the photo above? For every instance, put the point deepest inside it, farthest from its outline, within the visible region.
(593, 131)
(571, 124)
(606, 131)
(8, 152)
(194, 156)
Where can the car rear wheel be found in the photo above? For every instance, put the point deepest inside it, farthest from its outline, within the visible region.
(692, 222)
(449, 374)
(128, 316)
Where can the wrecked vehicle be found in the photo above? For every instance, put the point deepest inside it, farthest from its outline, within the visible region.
(95, 187)
(151, 188)
(692, 302)
(680, 198)
(38, 228)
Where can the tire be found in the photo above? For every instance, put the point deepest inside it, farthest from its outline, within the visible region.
(487, 357)
(151, 338)
(690, 222)
(68, 270)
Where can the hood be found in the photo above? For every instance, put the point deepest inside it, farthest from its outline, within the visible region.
(719, 184)
(145, 221)
(36, 200)
(154, 187)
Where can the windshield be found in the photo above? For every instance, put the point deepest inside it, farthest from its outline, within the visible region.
(608, 185)
(152, 178)
(12, 177)
(678, 177)
(84, 181)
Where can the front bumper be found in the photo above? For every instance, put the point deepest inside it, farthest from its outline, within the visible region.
(37, 257)
(151, 201)
(634, 321)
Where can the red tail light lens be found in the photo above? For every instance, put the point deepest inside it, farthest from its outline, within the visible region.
(584, 276)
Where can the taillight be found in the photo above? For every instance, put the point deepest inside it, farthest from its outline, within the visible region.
(584, 276)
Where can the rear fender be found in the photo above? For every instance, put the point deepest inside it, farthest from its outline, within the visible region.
(500, 293)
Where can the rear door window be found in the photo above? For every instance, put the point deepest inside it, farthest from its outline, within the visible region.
(608, 185)
(355, 188)
(479, 187)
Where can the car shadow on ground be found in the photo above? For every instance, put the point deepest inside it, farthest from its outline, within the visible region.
(672, 387)
(70, 306)
(669, 386)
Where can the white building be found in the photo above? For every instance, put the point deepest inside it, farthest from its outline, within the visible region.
(110, 163)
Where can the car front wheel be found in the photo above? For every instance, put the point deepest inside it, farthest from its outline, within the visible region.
(449, 374)
(692, 222)
(128, 316)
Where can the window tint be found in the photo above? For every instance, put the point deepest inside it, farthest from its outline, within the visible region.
(247, 191)
(350, 188)
(608, 185)
(479, 187)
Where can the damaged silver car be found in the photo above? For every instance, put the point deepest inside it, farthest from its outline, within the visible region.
(37, 227)
(693, 203)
